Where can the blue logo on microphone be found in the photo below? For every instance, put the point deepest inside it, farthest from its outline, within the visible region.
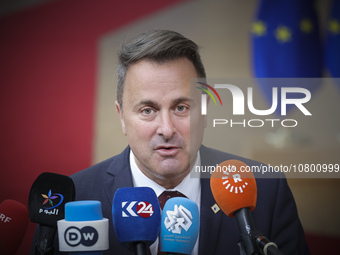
(178, 219)
(50, 197)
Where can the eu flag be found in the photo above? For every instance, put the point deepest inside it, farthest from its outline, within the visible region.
(286, 43)
(332, 52)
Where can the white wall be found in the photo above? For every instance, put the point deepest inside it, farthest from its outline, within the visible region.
(221, 28)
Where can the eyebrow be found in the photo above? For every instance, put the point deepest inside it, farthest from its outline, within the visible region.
(147, 102)
(181, 100)
(154, 104)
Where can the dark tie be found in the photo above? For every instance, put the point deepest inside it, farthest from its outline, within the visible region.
(167, 195)
(162, 200)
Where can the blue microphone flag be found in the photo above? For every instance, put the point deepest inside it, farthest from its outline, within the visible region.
(180, 226)
(136, 215)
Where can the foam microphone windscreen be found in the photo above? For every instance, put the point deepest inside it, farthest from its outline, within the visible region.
(48, 196)
(84, 228)
(136, 215)
(13, 224)
(233, 186)
(180, 226)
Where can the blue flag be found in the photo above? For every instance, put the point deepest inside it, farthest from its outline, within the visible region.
(286, 43)
(332, 51)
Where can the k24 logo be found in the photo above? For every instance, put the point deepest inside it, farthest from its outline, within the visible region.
(142, 209)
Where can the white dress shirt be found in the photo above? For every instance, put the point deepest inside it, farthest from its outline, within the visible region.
(190, 187)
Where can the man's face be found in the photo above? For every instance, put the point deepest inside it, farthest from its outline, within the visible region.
(156, 117)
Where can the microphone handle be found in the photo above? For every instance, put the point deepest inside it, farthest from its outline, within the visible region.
(44, 245)
(142, 249)
(268, 247)
(250, 239)
(244, 221)
(246, 226)
(273, 250)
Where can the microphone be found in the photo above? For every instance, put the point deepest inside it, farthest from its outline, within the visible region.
(136, 216)
(48, 196)
(179, 227)
(84, 230)
(13, 225)
(235, 191)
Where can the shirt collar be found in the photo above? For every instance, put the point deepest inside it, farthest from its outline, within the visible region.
(189, 187)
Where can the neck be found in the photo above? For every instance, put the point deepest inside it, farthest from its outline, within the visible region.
(168, 180)
(170, 183)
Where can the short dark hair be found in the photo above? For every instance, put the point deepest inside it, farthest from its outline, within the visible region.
(156, 45)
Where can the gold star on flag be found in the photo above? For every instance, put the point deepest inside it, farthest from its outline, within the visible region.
(258, 28)
(283, 34)
(334, 26)
(306, 26)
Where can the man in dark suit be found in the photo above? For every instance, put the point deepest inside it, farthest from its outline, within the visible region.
(156, 108)
(162, 120)
(275, 213)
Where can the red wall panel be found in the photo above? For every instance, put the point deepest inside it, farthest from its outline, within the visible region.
(47, 87)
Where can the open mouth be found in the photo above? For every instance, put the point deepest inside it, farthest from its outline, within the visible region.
(167, 150)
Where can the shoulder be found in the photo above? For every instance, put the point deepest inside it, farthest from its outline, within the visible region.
(217, 156)
(110, 165)
(94, 176)
(93, 170)
(213, 157)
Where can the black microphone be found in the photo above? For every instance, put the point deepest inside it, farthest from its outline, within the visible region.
(46, 205)
(235, 191)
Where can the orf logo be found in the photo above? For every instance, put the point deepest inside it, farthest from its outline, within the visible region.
(87, 236)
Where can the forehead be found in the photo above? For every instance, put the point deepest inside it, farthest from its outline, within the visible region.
(159, 79)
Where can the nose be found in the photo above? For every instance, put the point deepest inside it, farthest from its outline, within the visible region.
(166, 127)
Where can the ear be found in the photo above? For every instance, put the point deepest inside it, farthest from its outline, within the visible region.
(121, 117)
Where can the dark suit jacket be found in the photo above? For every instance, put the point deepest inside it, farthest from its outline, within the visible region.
(275, 214)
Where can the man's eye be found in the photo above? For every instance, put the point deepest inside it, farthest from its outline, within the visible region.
(147, 111)
(181, 108)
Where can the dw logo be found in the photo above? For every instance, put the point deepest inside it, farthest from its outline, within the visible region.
(87, 236)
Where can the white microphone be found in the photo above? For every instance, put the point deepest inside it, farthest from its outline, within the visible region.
(84, 229)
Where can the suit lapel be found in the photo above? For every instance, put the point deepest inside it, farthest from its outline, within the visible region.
(118, 174)
(210, 222)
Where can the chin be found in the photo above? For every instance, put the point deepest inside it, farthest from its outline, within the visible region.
(172, 172)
